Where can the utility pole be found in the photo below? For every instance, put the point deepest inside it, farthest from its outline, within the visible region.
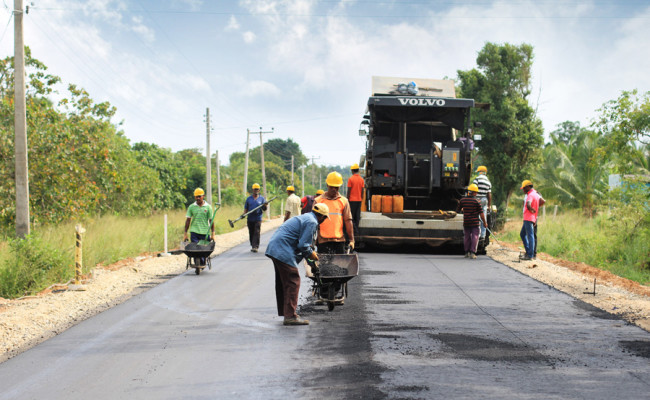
(303, 181)
(266, 196)
(292, 170)
(320, 179)
(218, 179)
(208, 159)
(248, 135)
(312, 169)
(20, 126)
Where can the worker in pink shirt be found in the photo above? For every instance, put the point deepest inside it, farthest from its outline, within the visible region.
(531, 208)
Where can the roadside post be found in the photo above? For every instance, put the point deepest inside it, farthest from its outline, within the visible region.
(165, 253)
(78, 259)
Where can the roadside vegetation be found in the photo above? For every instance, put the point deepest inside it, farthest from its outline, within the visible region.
(47, 255)
(602, 225)
(605, 241)
(83, 169)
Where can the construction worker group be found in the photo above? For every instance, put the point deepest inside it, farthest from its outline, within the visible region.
(326, 222)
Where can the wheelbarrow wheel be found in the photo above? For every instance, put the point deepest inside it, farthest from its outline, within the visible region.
(198, 271)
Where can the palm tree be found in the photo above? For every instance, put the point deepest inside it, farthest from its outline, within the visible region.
(575, 171)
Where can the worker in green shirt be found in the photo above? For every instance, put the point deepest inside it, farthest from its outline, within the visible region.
(199, 216)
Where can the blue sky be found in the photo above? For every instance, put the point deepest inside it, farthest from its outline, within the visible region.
(304, 67)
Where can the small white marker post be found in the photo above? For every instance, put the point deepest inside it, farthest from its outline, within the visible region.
(165, 253)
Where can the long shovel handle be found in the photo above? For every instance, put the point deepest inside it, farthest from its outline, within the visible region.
(253, 210)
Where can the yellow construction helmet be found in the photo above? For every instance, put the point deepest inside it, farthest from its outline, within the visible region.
(198, 192)
(526, 183)
(472, 188)
(319, 192)
(322, 209)
(256, 185)
(334, 179)
(291, 189)
(354, 166)
(481, 168)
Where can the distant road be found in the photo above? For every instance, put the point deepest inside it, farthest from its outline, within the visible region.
(414, 327)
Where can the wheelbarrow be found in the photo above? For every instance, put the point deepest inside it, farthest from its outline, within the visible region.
(196, 252)
(330, 277)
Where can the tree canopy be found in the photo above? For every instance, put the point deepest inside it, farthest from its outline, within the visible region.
(512, 133)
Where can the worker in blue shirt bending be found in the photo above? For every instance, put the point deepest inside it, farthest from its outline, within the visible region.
(290, 243)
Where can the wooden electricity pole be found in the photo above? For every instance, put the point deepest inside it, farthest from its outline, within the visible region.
(266, 195)
(218, 179)
(248, 135)
(208, 159)
(20, 126)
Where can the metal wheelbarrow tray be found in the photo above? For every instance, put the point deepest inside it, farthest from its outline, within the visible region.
(333, 289)
(195, 252)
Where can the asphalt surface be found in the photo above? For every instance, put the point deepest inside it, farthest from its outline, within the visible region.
(415, 326)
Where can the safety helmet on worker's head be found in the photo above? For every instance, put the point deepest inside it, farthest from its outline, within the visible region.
(319, 192)
(481, 168)
(256, 185)
(526, 183)
(473, 188)
(322, 209)
(198, 192)
(354, 166)
(291, 189)
(334, 179)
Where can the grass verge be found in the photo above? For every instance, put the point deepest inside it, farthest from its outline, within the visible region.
(47, 256)
(603, 241)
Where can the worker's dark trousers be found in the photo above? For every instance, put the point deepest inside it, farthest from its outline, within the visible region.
(287, 286)
(535, 234)
(355, 209)
(254, 228)
(331, 248)
(471, 238)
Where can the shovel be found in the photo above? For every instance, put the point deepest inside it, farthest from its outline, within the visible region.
(232, 222)
(206, 241)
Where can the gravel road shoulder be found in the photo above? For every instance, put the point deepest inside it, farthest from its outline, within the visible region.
(29, 321)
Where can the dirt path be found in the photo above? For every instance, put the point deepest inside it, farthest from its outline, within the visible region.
(31, 320)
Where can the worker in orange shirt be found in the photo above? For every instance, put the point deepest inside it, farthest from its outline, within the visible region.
(337, 231)
(355, 195)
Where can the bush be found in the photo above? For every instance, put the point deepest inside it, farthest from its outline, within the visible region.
(31, 266)
(232, 197)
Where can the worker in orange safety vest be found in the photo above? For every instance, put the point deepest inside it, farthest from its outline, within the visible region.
(355, 195)
(336, 232)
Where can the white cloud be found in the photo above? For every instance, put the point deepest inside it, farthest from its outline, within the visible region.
(249, 37)
(141, 29)
(256, 88)
(233, 24)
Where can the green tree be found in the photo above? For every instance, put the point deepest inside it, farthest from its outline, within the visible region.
(513, 134)
(625, 124)
(285, 149)
(170, 193)
(193, 169)
(573, 172)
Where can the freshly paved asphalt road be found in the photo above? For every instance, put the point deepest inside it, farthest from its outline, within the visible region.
(415, 326)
